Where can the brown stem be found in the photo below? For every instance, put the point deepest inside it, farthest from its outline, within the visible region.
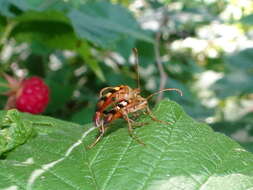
(163, 75)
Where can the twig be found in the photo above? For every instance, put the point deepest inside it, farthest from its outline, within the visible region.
(163, 75)
(136, 59)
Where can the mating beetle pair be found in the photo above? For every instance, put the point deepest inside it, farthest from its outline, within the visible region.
(119, 102)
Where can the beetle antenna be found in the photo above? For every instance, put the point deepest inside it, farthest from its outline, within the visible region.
(136, 61)
(166, 89)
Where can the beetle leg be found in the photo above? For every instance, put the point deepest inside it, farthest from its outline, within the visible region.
(151, 115)
(102, 130)
(135, 123)
(140, 123)
(130, 129)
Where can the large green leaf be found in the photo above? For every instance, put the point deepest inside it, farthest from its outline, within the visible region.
(183, 155)
(50, 28)
(105, 24)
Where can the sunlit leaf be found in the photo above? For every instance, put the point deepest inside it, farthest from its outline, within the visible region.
(185, 154)
(14, 131)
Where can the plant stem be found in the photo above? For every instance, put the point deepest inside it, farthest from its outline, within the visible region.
(163, 75)
(7, 32)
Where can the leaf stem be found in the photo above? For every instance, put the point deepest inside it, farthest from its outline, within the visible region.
(7, 32)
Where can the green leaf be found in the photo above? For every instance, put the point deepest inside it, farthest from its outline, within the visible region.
(183, 155)
(50, 28)
(239, 80)
(4, 86)
(240, 130)
(234, 84)
(248, 20)
(85, 51)
(4, 8)
(105, 24)
(61, 86)
(49, 15)
(146, 53)
(13, 131)
(41, 5)
(83, 116)
(242, 59)
(38, 5)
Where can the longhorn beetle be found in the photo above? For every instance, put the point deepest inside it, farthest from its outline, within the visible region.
(119, 102)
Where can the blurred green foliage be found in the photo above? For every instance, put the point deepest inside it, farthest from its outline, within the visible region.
(79, 47)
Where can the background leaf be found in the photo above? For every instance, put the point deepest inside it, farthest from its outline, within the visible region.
(247, 19)
(105, 24)
(239, 79)
(50, 28)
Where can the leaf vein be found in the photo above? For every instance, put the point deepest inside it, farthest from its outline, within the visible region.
(117, 163)
(13, 180)
(161, 155)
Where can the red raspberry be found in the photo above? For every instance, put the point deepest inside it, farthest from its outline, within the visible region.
(32, 96)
